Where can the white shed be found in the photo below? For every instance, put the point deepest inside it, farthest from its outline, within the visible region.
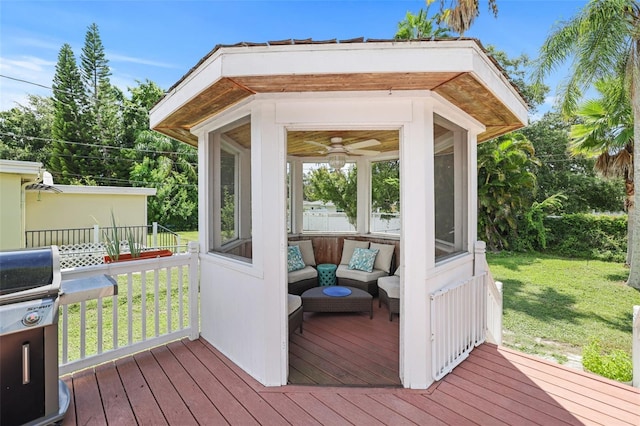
(251, 110)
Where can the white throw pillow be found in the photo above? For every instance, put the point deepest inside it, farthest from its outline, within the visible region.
(347, 249)
(385, 254)
(306, 248)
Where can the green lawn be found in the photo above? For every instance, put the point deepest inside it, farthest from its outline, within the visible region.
(186, 236)
(554, 306)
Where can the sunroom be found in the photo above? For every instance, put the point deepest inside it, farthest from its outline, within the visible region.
(264, 115)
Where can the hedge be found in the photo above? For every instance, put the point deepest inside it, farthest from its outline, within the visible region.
(587, 236)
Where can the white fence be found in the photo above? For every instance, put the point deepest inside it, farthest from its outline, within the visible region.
(635, 347)
(323, 221)
(458, 323)
(157, 302)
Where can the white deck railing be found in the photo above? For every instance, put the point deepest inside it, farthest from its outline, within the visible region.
(635, 347)
(157, 302)
(494, 310)
(458, 323)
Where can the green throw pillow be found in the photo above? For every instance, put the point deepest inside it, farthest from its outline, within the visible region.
(294, 259)
(363, 259)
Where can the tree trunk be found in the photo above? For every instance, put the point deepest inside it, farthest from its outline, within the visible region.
(634, 273)
(630, 191)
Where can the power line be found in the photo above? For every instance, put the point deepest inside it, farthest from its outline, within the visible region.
(14, 136)
(108, 179)
(134, 107)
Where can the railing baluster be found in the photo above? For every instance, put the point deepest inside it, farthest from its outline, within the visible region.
(180, 296)
(156, 302)
(169, 313)
(143, 300)
(83, 329)
(100, 336)
(114, 320)
(130, 307)
(65, 334)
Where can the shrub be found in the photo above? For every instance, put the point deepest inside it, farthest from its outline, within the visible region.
(588, 236)
(615, 364)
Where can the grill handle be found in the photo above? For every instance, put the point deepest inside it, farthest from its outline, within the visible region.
(26, 369)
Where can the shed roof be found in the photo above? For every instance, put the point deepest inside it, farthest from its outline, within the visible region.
(458, 70)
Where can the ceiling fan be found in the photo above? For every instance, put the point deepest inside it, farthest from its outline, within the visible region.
(337, 152)
(336, 147)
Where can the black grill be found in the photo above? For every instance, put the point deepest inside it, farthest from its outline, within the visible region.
(31, 290)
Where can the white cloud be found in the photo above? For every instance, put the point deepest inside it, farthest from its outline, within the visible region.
(24, 75)
(114, 57)
(35, 42)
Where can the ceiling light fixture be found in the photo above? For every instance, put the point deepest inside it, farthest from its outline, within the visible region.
(337, 161)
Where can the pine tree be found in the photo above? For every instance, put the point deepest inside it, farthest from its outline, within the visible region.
(104, 108)
(67, 160)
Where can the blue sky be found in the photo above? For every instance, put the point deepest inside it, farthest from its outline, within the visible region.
(162, 40)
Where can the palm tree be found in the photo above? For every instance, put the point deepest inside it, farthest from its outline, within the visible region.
(606, 132)
(506, 184)
(603, 40)
(420, 26)
(460, 14)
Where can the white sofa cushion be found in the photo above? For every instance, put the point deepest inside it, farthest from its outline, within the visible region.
(293, 303)
(343, 271)
(348, 247)
(385, 254)
(391, 285)
(302, 274)
(306, 248)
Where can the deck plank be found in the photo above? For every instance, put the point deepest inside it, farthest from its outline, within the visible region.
(244, 393)
(224, 401)
(377, 410)
(87, 400)
(114, 398)
(289, 409)
(344, 371)
(168, 398)
(319, 411)
(488, 405)
(537, 398)
(349, 411)
(145, 406)
(413, 413)
(198, 404)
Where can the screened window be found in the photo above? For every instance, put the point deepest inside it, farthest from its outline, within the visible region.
(231, 200)
(450, 188)
(385, 197)
(330, 198)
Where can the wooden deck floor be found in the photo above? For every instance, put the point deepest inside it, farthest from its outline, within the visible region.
(346, 349)
(188, 382)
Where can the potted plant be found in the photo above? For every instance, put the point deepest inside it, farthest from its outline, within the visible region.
(112, 243)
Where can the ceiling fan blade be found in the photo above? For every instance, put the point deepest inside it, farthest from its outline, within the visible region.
(363, 152)
(363, 144)
(317, 144)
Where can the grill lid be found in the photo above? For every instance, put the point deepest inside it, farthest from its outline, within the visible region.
(28, 274)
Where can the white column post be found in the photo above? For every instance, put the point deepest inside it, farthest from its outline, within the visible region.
(96, 234)
(480, 258)
(417, 246)
(194, 290)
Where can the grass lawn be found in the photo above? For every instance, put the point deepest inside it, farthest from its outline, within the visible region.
(554, 306)
(186, 236)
